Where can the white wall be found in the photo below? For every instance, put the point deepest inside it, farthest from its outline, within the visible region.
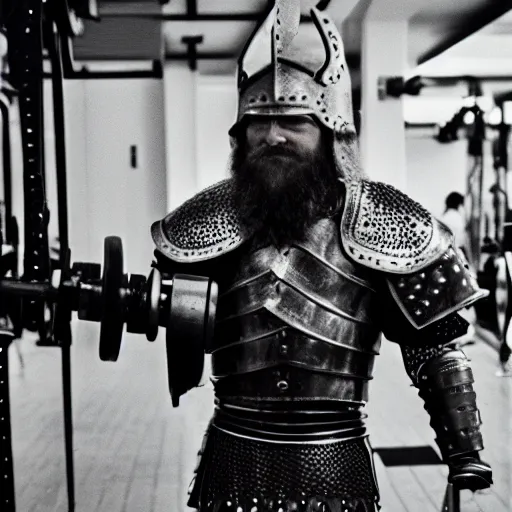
(382, 138)
(215, 114)
(16, 167)
(76, 159)
(180, 133)
(433, 169)
(199, 111)
(105, 196)
(123, 200)
(76, 166)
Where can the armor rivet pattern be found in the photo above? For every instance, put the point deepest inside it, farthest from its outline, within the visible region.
(388, 211)
(384, 229)
(442, 331)
(332, 74)
(283, 385)
(443, 287)
(201, 227)
(414, 357)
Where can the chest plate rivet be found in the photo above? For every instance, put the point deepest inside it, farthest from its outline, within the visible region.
(283, 385)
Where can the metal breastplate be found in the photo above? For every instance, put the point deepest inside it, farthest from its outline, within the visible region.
(296, 323)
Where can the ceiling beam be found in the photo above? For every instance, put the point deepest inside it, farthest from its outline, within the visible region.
(249, 16)
(201, 56)
(191, 8)
(353, 61)
(478, 21)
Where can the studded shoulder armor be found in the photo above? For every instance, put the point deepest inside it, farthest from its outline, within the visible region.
(384, 229)
(202, 228)
(430, 294)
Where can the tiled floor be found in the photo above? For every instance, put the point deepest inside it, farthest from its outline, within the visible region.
(135, 453)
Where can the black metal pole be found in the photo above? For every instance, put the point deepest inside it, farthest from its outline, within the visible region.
(7, 171)
(479, 137)
(60, 141)
(7, 490)
(451, 501)
(62, 327)
(65, 343)
(24, 32)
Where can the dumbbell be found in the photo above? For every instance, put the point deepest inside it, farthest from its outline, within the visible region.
(184, 304)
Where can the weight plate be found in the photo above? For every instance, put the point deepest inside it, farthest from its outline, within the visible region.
(213, 295)
(62, 312)
(188, 325)
(136, 312)
(112, 298)
(153, 303)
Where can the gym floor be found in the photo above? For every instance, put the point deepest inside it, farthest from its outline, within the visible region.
(134, 452)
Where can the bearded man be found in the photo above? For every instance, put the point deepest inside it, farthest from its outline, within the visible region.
(313, 263)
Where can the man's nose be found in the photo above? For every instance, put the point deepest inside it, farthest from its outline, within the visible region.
(274, 135)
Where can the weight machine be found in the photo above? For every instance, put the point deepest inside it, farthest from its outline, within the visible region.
(184, 305)
(489, 223)
(503, 223)
(490, 239)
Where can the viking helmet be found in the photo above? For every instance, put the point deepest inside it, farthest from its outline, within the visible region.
(293, 68)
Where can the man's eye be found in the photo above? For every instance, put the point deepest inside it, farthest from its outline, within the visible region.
(291, 124)
(260, 125)
(295, 125)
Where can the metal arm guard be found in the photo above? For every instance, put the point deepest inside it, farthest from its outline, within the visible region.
(445, 384)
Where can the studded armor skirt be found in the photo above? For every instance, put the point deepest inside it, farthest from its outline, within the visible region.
(242, 473)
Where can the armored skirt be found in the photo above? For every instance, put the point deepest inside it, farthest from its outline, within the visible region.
(322, 461)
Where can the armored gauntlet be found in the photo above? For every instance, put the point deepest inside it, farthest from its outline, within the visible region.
(446, 385)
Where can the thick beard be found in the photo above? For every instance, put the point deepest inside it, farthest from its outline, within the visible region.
(282, 191)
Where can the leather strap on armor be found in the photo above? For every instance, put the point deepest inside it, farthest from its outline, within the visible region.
(445, 383)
